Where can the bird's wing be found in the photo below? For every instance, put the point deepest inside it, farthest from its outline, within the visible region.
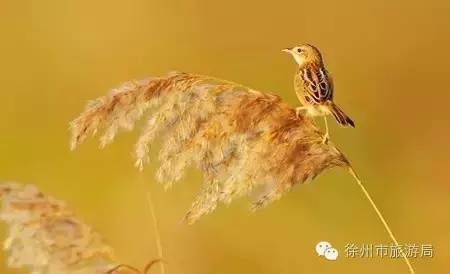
(330, 81)
(319, 84)
(238, 137)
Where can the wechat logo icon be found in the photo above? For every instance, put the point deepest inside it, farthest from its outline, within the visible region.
(324, 249)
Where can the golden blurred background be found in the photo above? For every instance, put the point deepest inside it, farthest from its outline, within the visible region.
(390, 60)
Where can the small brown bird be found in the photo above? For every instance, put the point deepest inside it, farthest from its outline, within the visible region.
(314, 86)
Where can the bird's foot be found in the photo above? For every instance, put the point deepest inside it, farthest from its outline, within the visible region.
(326, 138)
(297, 110)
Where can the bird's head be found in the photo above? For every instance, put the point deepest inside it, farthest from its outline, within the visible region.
(305, 54)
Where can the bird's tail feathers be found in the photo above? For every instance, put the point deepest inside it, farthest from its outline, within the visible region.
(340, 116)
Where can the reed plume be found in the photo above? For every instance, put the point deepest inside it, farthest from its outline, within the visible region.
(45, 237)
(239, 138)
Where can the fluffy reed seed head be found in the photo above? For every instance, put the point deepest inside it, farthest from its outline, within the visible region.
(238, 137)
(45, 237)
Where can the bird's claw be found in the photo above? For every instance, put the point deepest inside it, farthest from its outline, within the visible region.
(325, 139)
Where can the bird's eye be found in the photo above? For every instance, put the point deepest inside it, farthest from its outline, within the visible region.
(299, 50)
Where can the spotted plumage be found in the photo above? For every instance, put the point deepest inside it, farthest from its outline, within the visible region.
(314, 86)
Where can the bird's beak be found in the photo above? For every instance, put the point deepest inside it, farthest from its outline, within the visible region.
(288, 50)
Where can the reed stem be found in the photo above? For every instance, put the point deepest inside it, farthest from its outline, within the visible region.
(155, 226)
(386, 226)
